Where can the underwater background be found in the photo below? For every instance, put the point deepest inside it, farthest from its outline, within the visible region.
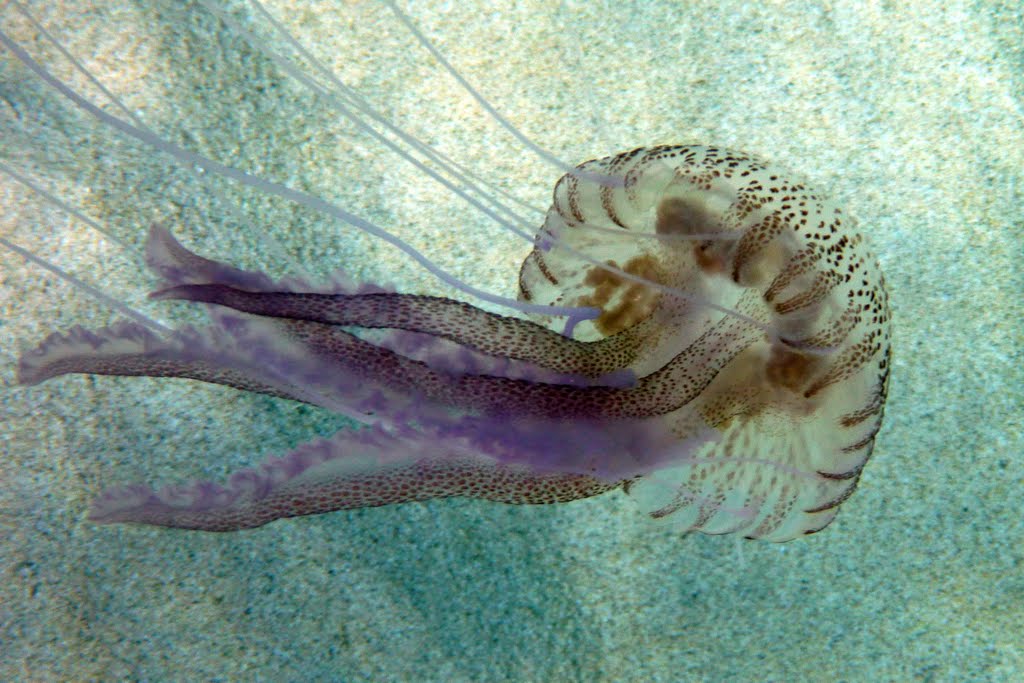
(909, 113)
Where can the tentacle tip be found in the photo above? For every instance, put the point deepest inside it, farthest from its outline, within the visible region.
(177, 293)
(120, 504)
(580, 315)
(29, 371)
(165, 294)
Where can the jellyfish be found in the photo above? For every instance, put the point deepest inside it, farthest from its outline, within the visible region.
(694, 326)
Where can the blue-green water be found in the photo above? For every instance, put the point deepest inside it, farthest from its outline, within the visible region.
(910, 115)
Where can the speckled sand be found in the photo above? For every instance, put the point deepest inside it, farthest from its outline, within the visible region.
(911, 115)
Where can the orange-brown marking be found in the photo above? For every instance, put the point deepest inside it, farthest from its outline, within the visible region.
(636, 301)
